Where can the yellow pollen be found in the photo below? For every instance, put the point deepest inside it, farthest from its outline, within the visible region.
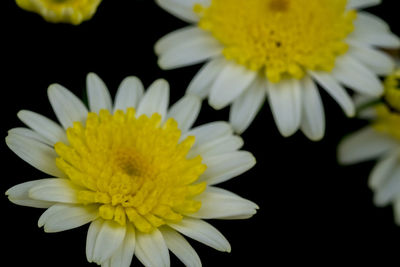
(388, 113)
(280, 38)
(135, 170)
(68, 11)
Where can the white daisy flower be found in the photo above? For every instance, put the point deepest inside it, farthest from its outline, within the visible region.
(279, 48)
(134, 170)
(380, 140)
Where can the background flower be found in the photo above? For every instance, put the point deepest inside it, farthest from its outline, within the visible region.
(309, 196)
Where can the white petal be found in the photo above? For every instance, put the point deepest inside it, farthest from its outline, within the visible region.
(336, 91)
(151, 249)
(203, 232)
(129, 93)
(245, 108)
(363, 145)
(155, 99)
(285, 102)
(230, 83)
(181, 9)
(67, 107)
(47, 128)
(382, 170)
(37, 154)
(223, 167)
(57, 190)
(98, 94)
(366, 21)
(215, 205)
(209, 131)
(171, 39)
(389, 190)
(222, 145)
(313, 120)
(108, 240)
(19, 194)
(185, 112)
(28, 133)
(180, 247)
(358, 4)
(354, 75)
(202, 81)
(93, 232)
(123, 256)
(370, 36)
(396, 210)
(376, 60)
(61, 217)
(190, 51)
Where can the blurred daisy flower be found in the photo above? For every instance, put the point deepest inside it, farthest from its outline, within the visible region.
(279, 48)
(135, 171)
(380, 140)
(67, 11)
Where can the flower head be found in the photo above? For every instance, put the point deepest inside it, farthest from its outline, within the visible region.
(67, 11)
(281, 48)
(134, 170)
(380, 140)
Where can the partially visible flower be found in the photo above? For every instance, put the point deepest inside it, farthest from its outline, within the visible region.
(135, 171)
(67, 11)
(379, 141)
(279, 48)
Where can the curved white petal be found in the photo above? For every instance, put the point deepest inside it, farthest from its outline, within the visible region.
(215, 205)
(389, 190)
(354, 75)
(56, 190)
(376, 60)
(285, 101)
(363, 145)
(313, 115)
(30, 134)
(182, 9)
(371, 37)
(171, 39)
(205, 77)
(229, 84)
(129, 93)
(108, 240)
(222, 145)
(93, 232)
(203, 232)
(180, 247)
(19, 194)
(245, 108)
(155, 100)
(67, 107)
(209, 131)
(123, 256)
(336, 91)
(190, 51)
(37, 154)
(382, 170)
(185, 112)
(223, 167)
(358, 4)
(151, 249)
(368, 21)
(98, 94)
(61, 217)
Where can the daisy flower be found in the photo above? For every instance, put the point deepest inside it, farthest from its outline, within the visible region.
(67, 11)
(279, 48)
(135, 171)
(380, 140)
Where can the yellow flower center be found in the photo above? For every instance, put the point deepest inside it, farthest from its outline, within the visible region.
(70, 11)
(135, 169)
(388, 119)
(280, 38)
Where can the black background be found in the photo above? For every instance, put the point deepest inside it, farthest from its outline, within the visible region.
(312, 211)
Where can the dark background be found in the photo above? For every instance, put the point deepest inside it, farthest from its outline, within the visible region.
(312, 211)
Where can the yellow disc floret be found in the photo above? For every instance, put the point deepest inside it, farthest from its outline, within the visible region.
(68, 11)
(280, 38)
(135, 169)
